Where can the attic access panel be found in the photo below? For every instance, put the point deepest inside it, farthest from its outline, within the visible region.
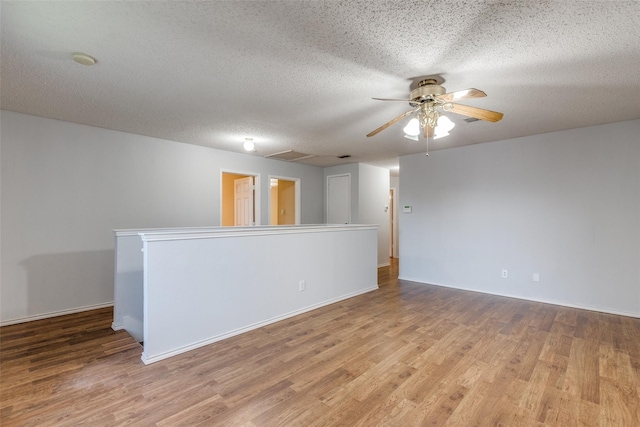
(289, 156)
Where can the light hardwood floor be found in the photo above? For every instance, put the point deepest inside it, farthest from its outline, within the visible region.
(407, 354)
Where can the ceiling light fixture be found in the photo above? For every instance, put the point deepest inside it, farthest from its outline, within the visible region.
(432, 122)
(443, 127)
(248, 144)
(84, 59)
(412, 128)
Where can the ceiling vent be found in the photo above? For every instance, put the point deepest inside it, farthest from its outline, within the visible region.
(289, 156)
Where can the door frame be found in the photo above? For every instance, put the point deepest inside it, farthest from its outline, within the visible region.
(394, 224)
(297, 195)
(256, 202)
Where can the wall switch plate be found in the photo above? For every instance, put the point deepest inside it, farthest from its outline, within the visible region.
(302, 285)
(536, 277)
(505, 274)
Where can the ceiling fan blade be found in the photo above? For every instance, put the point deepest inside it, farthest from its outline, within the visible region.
(462, 94)
(478, 113)
(392, 122)
(389, 99)
(428, 132)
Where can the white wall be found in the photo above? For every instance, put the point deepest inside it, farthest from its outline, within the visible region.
(197, 289)
(565, 205)
(374, 197)
(369, 196)
(65, 187)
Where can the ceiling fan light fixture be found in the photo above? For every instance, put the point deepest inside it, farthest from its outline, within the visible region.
(443, 126)
(412, 128)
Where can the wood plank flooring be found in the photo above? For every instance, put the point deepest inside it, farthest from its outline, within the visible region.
(405, 355)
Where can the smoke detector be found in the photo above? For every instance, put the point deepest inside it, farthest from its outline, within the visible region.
(84, 59)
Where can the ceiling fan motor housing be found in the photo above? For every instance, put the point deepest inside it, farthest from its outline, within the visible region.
(426, 91)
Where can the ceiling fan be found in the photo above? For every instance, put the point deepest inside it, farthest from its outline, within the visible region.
(429, 98)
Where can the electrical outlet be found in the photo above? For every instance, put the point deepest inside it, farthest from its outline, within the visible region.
(302, 285)
(505, 274)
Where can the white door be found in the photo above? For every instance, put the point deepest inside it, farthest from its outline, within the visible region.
(243, 198)
(339, 199)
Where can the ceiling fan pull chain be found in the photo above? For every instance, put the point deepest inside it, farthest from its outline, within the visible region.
(427, 153)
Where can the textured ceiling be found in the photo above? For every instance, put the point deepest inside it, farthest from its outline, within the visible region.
(299, 75)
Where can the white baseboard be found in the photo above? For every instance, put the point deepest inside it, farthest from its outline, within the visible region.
(55, 314)
(552, 302)
(117, 326)
(384, 264)
(147, 360)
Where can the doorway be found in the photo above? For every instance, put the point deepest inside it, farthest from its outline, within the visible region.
(239, 199)
(284, 201)
(339, 199)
